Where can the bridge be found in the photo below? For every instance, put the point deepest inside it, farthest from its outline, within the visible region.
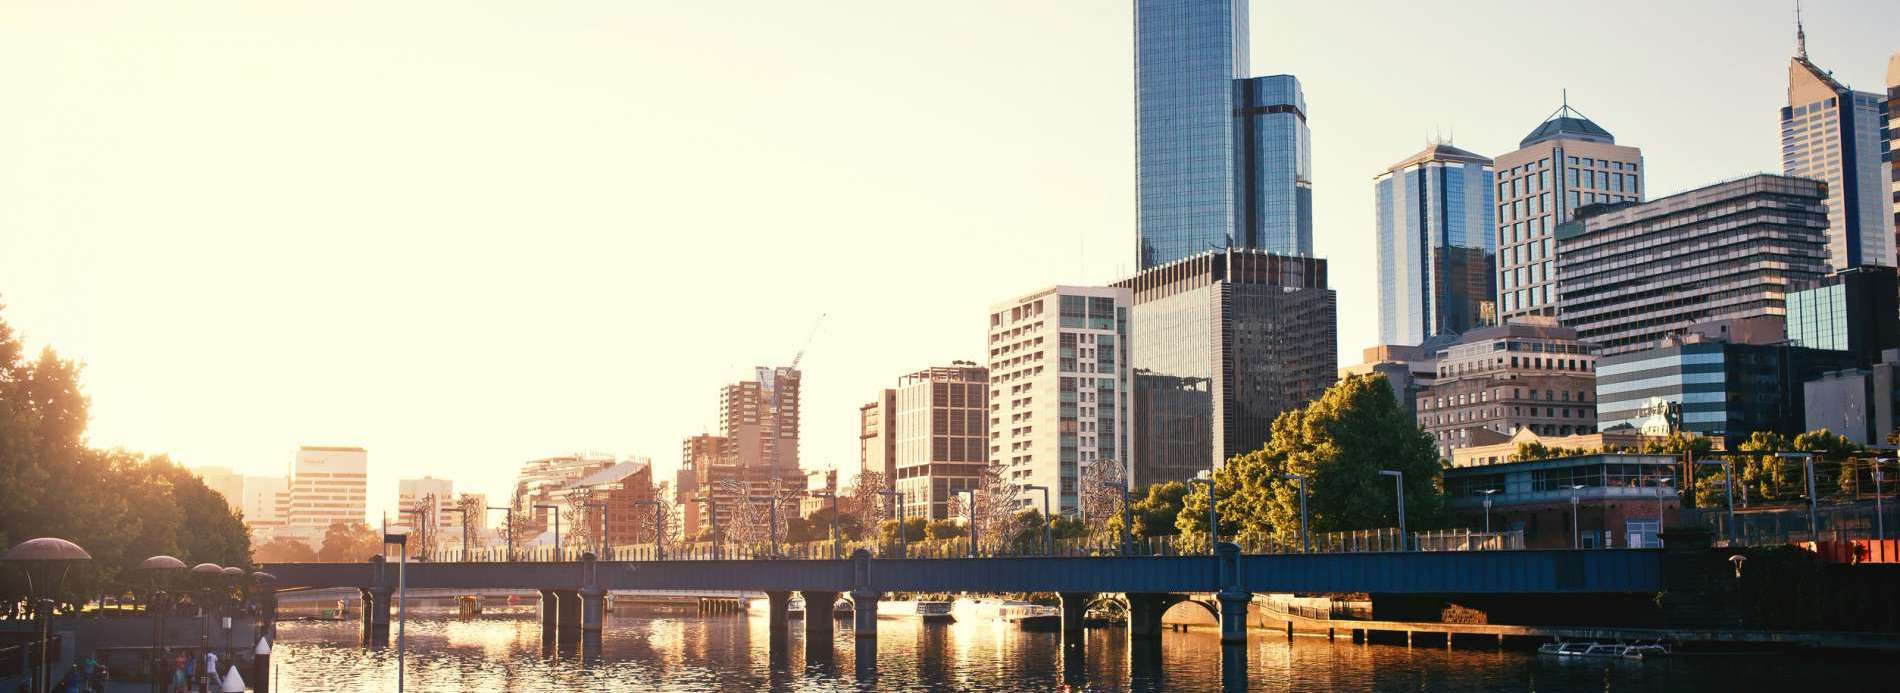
(573, 592)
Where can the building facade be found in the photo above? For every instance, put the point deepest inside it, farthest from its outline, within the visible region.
(1529, 373)
(328, 484)
(1059, 387)
(603, 501)
(1407, 369)
(1722, 389)
(1855, 310)
(1831, 133)
(225, 482)
(1274, 164)
(1226, 341)
(1437, 264)
(539, 479)
(759, 417)
(1187, 55)
(1635, 273)
(941, 429)
(266, 505)
(1861, 403)
(1566, 163)
(1890, 135)
(754, 459)
(437, 494)
(1592, 501)
(877, 446)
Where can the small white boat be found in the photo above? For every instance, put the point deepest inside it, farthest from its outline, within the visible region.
(1008, 611)
(1597, 650)
(935, 612)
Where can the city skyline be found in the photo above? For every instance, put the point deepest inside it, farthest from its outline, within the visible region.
(326, 271)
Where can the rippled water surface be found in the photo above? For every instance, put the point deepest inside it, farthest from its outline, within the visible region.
(504, 652)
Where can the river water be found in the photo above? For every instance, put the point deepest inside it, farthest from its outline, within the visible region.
(504, 652)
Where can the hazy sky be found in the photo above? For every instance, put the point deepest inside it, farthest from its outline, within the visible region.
(465, 234)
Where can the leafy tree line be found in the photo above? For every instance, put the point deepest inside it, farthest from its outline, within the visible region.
(121, 506)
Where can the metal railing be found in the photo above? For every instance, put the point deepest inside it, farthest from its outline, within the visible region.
(1789, 524)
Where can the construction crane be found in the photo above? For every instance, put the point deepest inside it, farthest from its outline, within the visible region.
(808, 337)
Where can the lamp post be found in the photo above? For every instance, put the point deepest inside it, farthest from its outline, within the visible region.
(510, 518)
(45, 562)
(1398, 489)
(1661, 497)
(1807, 472)
(157, 568)
(1576, 516)
(234, 584)
(897, 510)
(205, 576)
(1048, 543)
(659, 526)
(1728, 491)
(1213, 515)
(264, 604)
(712, 519)
(1306, 543)
(557, 527)
(1487, 508)
(969, 511)
(772, 531)
(1880, 516)
(401, 541)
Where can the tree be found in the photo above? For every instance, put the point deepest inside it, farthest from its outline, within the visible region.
(583, 522)
(996, 506)
(868, 501)
(1101, 494)
(349, 542)
(516, 528)
(286, 550)
(1339, 443)
(945, 529)
(1154, 512)
(474, 509)
(915, 529)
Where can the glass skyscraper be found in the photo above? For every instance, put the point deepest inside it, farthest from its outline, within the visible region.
(1436, 255)
(1832, 134)
(1221, 161)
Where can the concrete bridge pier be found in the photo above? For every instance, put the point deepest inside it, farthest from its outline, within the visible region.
(1233, 615)
(1144, 614)
(568, 611)
(593, 608)
(864, 615)
(778, 624)
(1075, 606)
(376, 603)
(550, 614)
(819, 625)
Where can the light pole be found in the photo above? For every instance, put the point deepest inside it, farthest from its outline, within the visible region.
(1306, 543)
(510, 518)
(557, 528)
(969, 510)
(205, 576)
(1880, 516)
(1807, 471)
(1576, 516)
(45, 562)
(463, 514)
(1487, 509)
(402, 597)
(1661, 496)
(1048, 543)
(1398, 489)
(659, 526)
(1213, 515)
(158, 567)
(773, 530)
(712, 520)
(897, 510)
(234, 579)
(1728, 491)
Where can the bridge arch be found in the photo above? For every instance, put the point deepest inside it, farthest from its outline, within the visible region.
(1208, 605)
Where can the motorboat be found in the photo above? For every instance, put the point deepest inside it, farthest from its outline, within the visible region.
(1009, 611)
(935, 612)
(1618, 650)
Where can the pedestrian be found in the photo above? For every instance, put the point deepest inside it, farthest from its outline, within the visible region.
(211, 667)
(181, 680)
(75, 681)
(101, 677)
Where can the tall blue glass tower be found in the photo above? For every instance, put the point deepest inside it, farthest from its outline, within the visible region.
(1437, 261)
(1221, 161)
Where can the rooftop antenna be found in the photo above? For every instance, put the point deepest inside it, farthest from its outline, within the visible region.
(1800, 34)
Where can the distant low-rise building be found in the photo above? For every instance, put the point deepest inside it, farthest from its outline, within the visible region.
(1619, 499)
(1619, 439)
(1722, 389)
(1408, 370)
(606, 497)
(328, 485)
(1527, 373)
(1860, 403)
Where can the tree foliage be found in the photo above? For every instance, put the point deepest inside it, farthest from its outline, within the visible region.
(121, 506)
(1154, 511)
(1339, 443)
(349, 542)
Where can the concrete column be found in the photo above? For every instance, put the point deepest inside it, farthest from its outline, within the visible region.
(1233, 615)
(593, 608)
(777, 624)
(1144, 615)
(569, 610)
(376, 604)
(819, 614)
(550, 614)
(863, 614)
(1075, 605)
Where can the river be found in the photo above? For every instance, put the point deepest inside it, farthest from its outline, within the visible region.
(504, 652)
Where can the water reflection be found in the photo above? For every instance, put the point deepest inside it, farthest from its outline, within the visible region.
(505, 652)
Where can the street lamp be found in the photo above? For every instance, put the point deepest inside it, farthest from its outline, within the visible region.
(1728, 491)
(510, 518)
(1306, 543)
(969, 510)
(659, 526)
(897, 509)
(1661, 495)
(1487, 509)
(1576, 516)
(401, 541)
(234, 581)
(772, 531)
(45, 562)
(1398, 489)
(1880, 516)
(205, 576)
(156, 604)
(1213, 515)
(1807, 469)
(557, 527)
(1048, 543)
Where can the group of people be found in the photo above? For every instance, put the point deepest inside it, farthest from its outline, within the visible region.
(184, 674)
(89, 676)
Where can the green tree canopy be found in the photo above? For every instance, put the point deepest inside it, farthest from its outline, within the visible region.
(1339, 443)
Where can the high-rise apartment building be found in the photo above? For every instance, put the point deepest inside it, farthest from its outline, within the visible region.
(539, 479)
(1224, 342)
(1437, 263)
(939, 428)
(1221, 160)
(1890, 135)
(328, 484)
(1059, 387)
(225, 483)
(1564, 164)
(877, 442)
(1529, 373)
(1831, 133)
(760, 418)
(266, 505)
(1634, 273)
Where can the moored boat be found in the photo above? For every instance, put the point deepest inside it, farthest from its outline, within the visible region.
(1597, 650)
